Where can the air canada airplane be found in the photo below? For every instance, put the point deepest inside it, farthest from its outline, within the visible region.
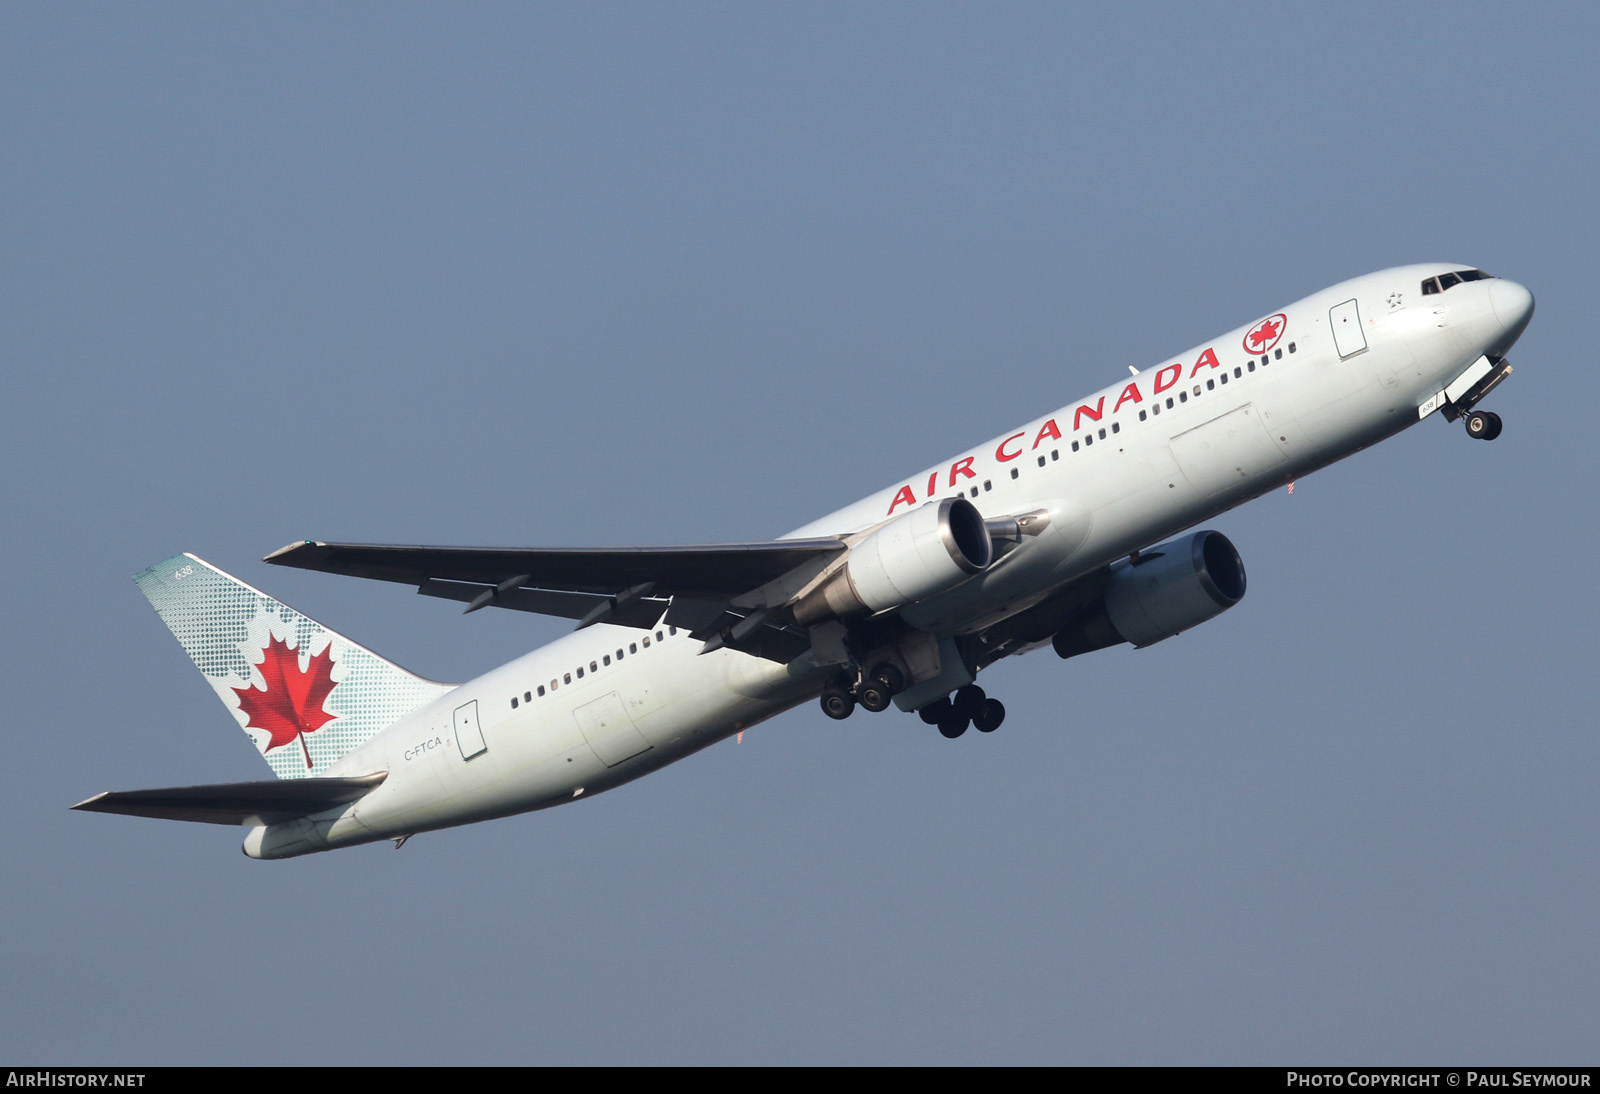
(1067, 531)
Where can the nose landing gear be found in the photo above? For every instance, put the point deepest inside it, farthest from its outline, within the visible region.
(1483, 425)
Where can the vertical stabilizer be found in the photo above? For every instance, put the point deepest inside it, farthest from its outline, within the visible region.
(305, 695)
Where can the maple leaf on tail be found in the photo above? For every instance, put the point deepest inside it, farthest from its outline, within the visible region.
(291, 705)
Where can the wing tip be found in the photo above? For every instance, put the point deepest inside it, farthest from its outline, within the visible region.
(277, 557)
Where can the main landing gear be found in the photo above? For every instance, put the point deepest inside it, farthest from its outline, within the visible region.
(873, 691)
(969, 706)
(1484, 425)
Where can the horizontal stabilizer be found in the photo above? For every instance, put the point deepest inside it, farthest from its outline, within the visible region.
(236, 803)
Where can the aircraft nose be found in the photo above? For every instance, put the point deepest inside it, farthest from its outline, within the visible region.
(1513, 306)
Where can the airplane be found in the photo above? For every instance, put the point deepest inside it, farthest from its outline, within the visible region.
(1066, 531)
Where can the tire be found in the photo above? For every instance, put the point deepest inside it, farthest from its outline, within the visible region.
(1478, 425)
(837, 703)
(990, 717)
(969, 700)
(935, 711)
(1495, 425)
(873, 696)
(953, 725)
(892, 679)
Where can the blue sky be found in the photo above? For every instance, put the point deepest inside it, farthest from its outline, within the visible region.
(516, 274)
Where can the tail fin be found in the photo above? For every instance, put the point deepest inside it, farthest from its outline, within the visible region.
(305, 695)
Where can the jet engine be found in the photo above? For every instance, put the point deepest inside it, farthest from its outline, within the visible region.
(1164, 591)
(917, 555)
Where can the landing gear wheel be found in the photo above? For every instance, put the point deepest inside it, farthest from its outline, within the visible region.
(990, 717)
(873, 696)
(1479, 426)
(953, 725)
(837, 703)
(1494, 425)
(935, 712)
(969, 700)
(892, 679)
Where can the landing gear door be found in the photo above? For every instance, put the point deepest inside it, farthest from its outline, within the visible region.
(1345, 319)
(469, 734)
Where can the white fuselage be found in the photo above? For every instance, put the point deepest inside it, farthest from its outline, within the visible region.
(1133, 464)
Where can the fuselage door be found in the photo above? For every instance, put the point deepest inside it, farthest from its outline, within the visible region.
(469, 734)
(1345, 319)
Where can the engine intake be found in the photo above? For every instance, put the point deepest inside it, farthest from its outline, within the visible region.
(917, 555)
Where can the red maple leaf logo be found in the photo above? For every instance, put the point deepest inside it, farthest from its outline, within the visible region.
(1265, 334)
(291, 706)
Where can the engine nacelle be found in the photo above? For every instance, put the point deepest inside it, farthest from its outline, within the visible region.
(1171, 588)
(920, 554)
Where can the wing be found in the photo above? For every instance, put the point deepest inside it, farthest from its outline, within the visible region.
(722, 593)
(236, 803)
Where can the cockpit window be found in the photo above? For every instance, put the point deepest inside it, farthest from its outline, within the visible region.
(1449, 280)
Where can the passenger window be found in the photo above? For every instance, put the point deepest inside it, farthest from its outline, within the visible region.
(1041, 461)
(1055, 453)
(1102, 434)
(527, 697)
(1088, 439)
(580, 672)
(553, 684)
(1157, 408)
(593, 667)
(1236, 372)
(1211, 385)
(566, 677)
(659, 638)
(987, 485)
(1251, 365)
(633, 647)
(513, 702)
(974, 491)
(606, 660)
(1013, 472)
(1141, 415)
(1277, 355)
(1183, 396)
(647, 641)
(1291, 347)
(1224, 377)
(1169, 402)
(541, 691)
(1074, 446)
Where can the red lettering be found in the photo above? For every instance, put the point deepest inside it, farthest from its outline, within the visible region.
(1162, 385)
(933, 482)
(1206, 358)
(962, 466)
(1129, 394)
(1002, 455)
(1077, 415)
(905, 495)
(1047, 430)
